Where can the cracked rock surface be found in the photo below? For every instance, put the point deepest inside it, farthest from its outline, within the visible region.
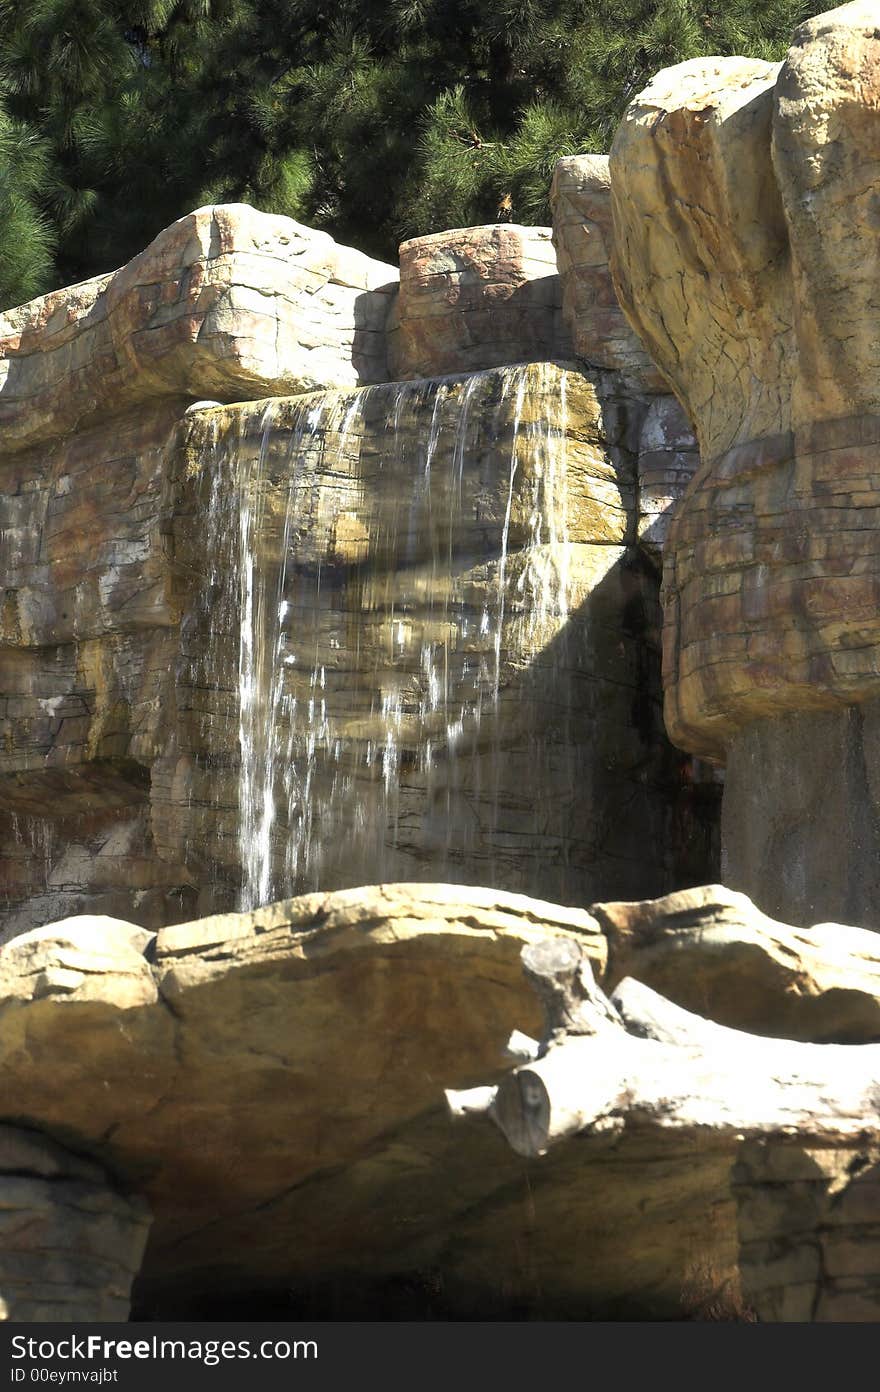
(271, 1084)
(746, 257)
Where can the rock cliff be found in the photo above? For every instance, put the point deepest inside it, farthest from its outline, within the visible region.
(743, 197)
(358, 629)
(317, 575)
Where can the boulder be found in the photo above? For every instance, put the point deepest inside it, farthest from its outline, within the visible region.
(227, 302)
(477, 297)
(271, 1085)
(712, 952)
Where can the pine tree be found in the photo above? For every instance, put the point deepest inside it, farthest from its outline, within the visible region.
(375, 119)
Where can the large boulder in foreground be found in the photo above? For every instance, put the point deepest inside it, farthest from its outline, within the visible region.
(271, 1084)
(745, 256)
(798, 1123)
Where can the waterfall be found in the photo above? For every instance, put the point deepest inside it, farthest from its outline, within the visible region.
(400, 556)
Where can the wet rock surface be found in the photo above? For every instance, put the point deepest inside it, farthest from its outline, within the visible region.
(400, 605)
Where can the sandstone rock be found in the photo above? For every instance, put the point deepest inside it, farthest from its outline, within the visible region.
(477, 297)
(271, 1085)
(700, 244)
(451, 635)
(743, 203)
(723, 264)
(809, 1247)
(711, 951)
(303, 1040)
(226, 302)
(583, 234)
(796, 1121)
(668, 460)
(461, 582)
(458, 563)
(801, 814)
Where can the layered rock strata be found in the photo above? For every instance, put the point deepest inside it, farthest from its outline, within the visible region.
(466, 633)
(583, 235)
(797, 1123)
(745, 259)
(477, 297)
(227, 302)
(465, 587)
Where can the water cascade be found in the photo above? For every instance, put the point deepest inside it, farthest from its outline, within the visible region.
(418, 577)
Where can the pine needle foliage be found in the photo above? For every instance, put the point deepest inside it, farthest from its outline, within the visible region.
(375, 119)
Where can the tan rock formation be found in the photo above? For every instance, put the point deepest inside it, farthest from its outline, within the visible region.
(271, 1085)
(806, 1215)
(744, 257)
(797, 1123)
(668, 460)
(733, 179)
(93, 380)
(477, 297)
(458, 559)
(486, 638)
(711, 951)
(227, 302)
(583, 235)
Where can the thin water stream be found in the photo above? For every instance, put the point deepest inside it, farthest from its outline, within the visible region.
(398, 555)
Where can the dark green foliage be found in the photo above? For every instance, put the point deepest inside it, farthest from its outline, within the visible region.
(376, 119)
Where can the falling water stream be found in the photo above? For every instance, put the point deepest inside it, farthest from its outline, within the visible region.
(401, 553)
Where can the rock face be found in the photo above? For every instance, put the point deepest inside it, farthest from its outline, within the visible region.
(477, 297)
(226, 302)
(451, 636)
(742, 195)
(583, 234)
(797, 1123)
(271, 1086)
(71, 1244)
(336, 635)
(808, 1238)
